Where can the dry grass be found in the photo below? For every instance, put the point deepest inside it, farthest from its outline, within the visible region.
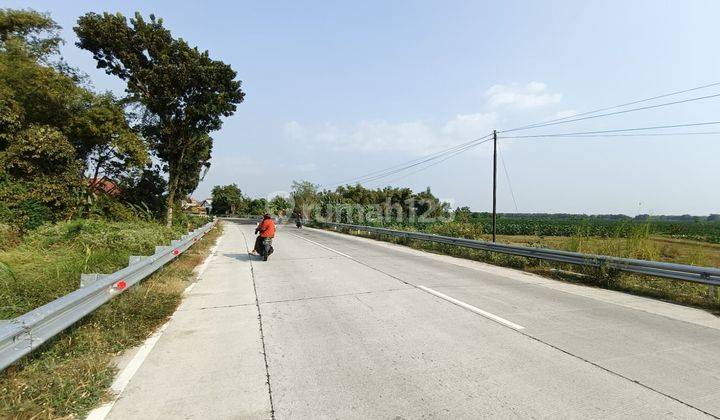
(70, 375)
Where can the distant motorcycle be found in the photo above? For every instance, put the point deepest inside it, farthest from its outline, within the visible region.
(298, 222)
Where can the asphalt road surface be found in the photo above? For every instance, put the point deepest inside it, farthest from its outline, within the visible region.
(334, 326)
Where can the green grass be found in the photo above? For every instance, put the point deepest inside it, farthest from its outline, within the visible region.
(48, 262)
(71, 374)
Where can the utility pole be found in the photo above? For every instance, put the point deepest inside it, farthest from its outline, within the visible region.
(494, 182)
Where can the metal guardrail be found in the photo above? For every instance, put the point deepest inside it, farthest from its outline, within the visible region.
(243, 220)
(21, 335)
(696, 274)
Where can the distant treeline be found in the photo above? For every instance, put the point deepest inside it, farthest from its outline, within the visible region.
(612, 217)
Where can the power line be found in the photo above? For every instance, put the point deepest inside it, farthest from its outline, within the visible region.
(614, 113)
(438, 162)
(621, 105)
(400, 167)
(446, 157)
(612, 131)
(443, 155)
(412, 163)
(507, 176)
(704, 133)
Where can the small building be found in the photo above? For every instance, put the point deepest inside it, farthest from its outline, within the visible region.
(193, 206)
(104, 185)
(207, 205)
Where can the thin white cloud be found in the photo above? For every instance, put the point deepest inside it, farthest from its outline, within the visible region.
(530, 95)
(415, 137)
(306, 167)
(423, 137)
(566, 113)
(467, 126)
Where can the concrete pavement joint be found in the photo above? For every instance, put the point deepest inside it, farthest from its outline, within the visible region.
(353, 259)
(126, 374)
(216, 307)
(332, 296)
(306, 258)
(602, 295)
(610, 371)
(262, 334)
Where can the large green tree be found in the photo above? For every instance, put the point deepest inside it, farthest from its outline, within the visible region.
(257, 206)
(195, 167)
(95, 124)
(185, 93)
(280, 205)
(144, 188)
(50, 125)
(304, 195)
(37, 32)
(228, 199)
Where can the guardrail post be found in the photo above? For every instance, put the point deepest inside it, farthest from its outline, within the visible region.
(88, 279)
(134, 259)
(712, 292)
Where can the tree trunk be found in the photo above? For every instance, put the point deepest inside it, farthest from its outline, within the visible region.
(172, 187)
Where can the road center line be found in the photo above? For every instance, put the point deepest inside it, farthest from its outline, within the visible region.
(473, 309)
(323, 246)
(461, 304)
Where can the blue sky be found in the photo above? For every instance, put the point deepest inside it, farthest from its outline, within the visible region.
(339, 89)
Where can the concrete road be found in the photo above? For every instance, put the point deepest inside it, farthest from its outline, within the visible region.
(341, 327)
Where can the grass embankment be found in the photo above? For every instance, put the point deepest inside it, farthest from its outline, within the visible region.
(71, 374)
(639, 244)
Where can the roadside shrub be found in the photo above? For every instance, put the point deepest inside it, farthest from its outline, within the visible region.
(9, 236)
(39, 179)
(457, 229)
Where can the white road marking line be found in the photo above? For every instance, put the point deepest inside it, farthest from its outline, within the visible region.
(473, 309)
(204, 265)
(189, 288)
(438, 294)
(123, 379)
(323, 246)
(200, 269)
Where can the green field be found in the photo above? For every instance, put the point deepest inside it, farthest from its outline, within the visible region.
(683, 227)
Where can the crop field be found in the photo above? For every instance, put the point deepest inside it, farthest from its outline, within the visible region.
(695, 229)
(706, 231)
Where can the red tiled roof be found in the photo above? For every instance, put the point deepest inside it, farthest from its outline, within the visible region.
(104, 185)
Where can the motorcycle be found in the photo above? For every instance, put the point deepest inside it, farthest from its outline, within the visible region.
(266, 249)
(298, 222)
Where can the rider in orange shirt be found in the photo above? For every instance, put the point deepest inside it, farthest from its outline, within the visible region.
(266, 229)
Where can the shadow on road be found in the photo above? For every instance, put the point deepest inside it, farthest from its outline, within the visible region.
(240, 256)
